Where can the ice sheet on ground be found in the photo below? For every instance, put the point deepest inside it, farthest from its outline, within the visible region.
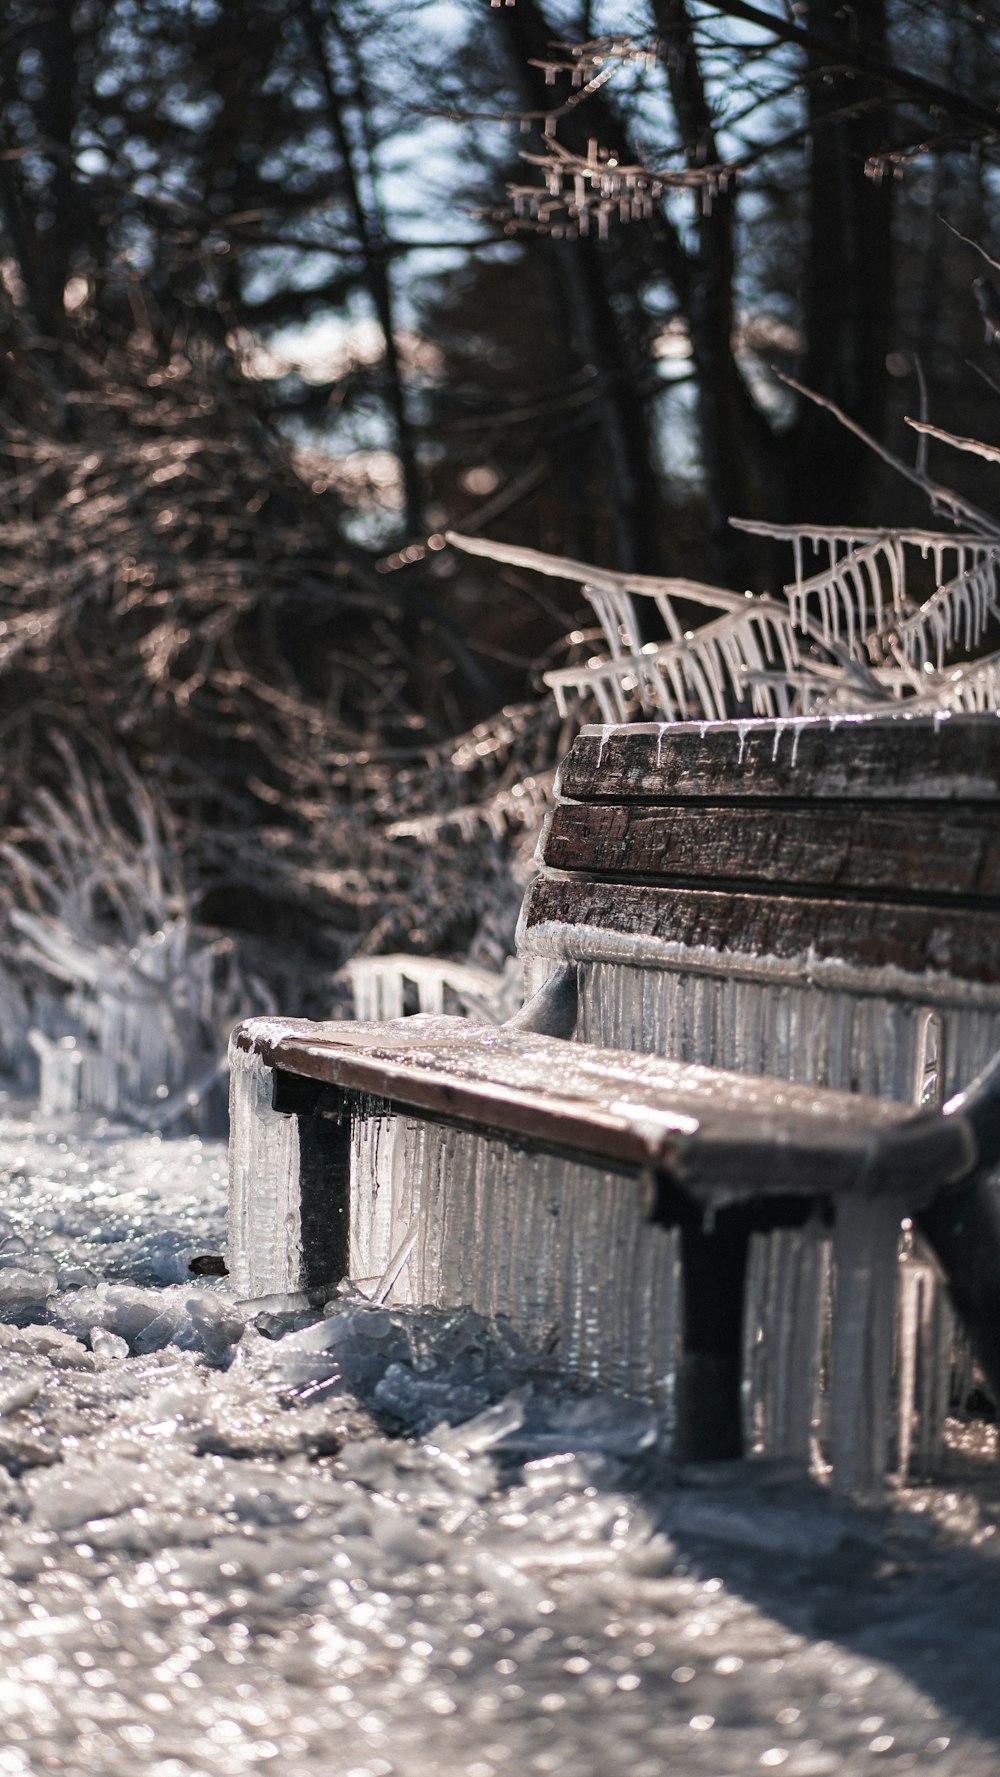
(240, 1536)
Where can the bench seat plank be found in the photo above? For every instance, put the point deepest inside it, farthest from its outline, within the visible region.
(920, 851)
(713, 1133)
(898, 758)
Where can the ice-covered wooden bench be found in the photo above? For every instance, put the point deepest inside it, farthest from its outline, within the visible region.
(758, 957)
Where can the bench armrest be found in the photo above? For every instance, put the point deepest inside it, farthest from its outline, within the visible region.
(552, 1011)
(979, 1106)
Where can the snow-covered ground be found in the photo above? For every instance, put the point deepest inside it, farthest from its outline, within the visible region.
(369, 1542)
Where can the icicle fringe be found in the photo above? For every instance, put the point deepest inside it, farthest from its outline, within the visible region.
(848, 635)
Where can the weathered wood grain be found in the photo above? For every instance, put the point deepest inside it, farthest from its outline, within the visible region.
(920, 849)
(707, 1130)
(953, 942)
(912, 759)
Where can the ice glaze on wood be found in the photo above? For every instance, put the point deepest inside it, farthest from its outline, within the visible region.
(887, 759)
(714, 1133)
(788, 936)
(870, 844)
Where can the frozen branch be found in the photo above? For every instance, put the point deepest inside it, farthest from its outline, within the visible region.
(563, 567)
(939, 496)
(974, 445)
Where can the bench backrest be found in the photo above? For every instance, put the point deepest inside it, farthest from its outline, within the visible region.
(816, 899)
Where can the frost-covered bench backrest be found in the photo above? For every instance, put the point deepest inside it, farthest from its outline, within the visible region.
(817, 899)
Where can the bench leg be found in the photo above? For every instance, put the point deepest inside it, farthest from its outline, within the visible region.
(289, 1172)
(324, 1192)
(709, 1413)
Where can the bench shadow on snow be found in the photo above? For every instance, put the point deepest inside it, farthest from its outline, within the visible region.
(891, 1586)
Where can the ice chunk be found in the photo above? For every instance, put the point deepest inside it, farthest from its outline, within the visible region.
(488, 1428)
(418, 1402)
(19, 1287)
(107, 1347)
(19, 1388)
(72, 1495)
(406, 1542)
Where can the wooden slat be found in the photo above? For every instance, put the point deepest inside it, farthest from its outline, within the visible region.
(911, 759)
(957, 942)
(923, 849)
(707, 1129)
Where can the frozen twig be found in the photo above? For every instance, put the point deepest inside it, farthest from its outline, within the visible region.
(975, 446)
(968, 241)
(940, 497)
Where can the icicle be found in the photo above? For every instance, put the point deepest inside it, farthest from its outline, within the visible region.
(384, 1287)
(926, 1343)
(608, 701)
(875, 585)
(711, 660)
(664, 703)
(736, 663)
(938, 1345)
(810, 1033)
(866, 1244)
(853, 601)
(264, 1235)
(554, 1245)
(897, 574)
(827, 614)
(665, 606)
(60, 1067)
(787, 1288)
(698, 682)
(907, 1334)
(616, 614)
(379, 987)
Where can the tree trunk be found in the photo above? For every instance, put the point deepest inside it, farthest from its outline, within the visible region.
(848, 277)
